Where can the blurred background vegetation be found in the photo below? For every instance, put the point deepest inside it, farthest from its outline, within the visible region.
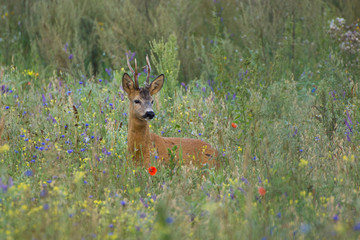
(210, 39)
(284, 73)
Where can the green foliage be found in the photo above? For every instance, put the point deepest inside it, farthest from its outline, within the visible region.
(273, 68)
(165, 59)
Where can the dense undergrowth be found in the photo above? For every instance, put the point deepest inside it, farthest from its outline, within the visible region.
(281, 108)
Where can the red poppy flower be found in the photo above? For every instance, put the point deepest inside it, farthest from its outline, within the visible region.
(234, 125)
(262, 191)
(152, 170)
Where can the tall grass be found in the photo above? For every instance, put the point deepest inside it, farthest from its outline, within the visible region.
(276, 95)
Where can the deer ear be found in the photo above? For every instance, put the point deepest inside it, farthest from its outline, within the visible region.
(156, 85)
(127, 83)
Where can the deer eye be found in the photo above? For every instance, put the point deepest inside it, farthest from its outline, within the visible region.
(137, 101)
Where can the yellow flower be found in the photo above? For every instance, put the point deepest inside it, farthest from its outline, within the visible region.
(4, 148)
(303, 163)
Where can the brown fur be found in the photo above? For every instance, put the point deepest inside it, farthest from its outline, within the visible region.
(144, 145)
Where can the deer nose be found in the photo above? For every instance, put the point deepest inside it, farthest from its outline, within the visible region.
(149, 114)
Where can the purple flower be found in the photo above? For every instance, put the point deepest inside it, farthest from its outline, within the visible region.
(7, 107)
(348, 116)
(71, 56)
(184, 85)
(295, 132)
(131, 54)
(153, 197)
(347, 125)
(357, 226)
(70, 151)
(336, 217)
(123, 203)
(348, 138)
(5, 187)
(245, 180)
(108, 71)
(44, 100)
(46, 206)
(43, 193)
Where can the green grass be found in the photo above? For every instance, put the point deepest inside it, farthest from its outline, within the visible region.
(276, 71)
(72, 177)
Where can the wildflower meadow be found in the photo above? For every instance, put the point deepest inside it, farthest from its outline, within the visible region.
(272, 85)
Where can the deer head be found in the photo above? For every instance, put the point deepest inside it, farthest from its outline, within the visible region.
(141, 100)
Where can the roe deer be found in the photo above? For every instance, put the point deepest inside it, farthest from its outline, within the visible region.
(141, 143)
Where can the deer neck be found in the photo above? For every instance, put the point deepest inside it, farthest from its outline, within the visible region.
(139, 138)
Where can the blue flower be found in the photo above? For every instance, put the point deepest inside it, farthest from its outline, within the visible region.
(80, 82)
(46, 206)
(28, 173)
(357, 226)
(123, 203)
(7, 107)
(70, 151)
(336, 217)
(71, 56)
(48, 181)
(100, 80)
(169, 220)
(111, 225)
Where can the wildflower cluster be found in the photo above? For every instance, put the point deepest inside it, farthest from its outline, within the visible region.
(348, 36)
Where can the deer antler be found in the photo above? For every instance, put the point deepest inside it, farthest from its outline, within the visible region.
(135, 74)
(148, 70)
